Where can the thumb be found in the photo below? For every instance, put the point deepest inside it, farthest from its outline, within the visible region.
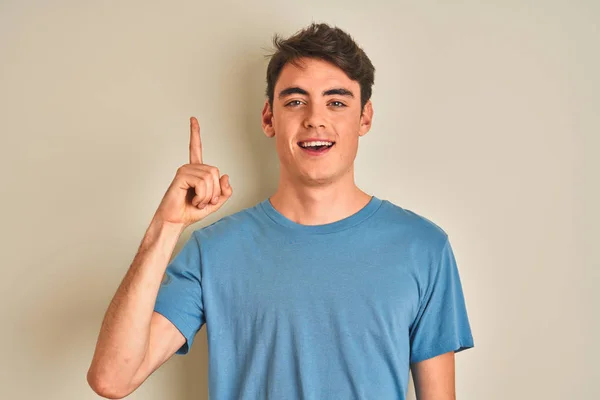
(226, 190)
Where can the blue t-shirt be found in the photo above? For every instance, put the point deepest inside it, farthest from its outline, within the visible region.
(312, 312)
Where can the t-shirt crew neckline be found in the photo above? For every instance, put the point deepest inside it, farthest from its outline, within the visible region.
(361, 215)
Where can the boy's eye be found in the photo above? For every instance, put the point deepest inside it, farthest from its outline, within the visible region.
(336, 104)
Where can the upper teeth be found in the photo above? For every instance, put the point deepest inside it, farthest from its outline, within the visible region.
(306, 144)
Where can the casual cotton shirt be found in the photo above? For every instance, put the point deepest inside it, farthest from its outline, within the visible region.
(333, 311)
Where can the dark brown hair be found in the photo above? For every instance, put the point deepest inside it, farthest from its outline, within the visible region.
(326, 43)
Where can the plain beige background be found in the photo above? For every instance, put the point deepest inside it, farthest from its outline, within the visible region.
(486, 122)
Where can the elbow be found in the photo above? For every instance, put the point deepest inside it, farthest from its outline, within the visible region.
(104, 387)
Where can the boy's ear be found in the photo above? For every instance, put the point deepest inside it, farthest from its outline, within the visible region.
(366, 118)
(267, 120)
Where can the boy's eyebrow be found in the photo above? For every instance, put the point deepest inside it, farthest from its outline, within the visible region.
(330, 92)
(339, 92)
(292, 90)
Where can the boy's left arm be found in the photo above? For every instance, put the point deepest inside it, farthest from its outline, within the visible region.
(434, 378)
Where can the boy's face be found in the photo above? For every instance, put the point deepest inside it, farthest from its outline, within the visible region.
(316, 102)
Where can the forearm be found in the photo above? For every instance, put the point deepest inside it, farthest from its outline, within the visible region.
(125, 330)
(434, 378)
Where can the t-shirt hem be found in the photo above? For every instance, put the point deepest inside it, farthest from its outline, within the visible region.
(176, 319)
(442, 349)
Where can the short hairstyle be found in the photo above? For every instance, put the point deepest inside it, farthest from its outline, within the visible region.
(326, 43)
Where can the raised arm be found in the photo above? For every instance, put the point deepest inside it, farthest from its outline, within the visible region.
(134, 340)
(130, 333)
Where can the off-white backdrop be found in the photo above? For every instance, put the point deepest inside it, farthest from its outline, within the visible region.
(485, 122)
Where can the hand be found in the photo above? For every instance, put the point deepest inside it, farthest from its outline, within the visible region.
(197, 189)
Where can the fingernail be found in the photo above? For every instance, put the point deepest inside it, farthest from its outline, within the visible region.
(216, 199)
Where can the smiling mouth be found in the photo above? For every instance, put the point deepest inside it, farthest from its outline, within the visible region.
(316, 149)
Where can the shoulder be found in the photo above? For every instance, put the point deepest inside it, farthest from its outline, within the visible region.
(234, 225)
(419, 230)
(420, 241)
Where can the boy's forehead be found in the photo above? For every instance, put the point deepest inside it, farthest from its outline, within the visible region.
(313, 74)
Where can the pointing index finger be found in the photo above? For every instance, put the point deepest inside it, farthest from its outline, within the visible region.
(195, 142)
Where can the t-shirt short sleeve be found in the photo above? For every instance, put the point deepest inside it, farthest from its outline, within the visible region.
(442, 323)
(180, 294)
